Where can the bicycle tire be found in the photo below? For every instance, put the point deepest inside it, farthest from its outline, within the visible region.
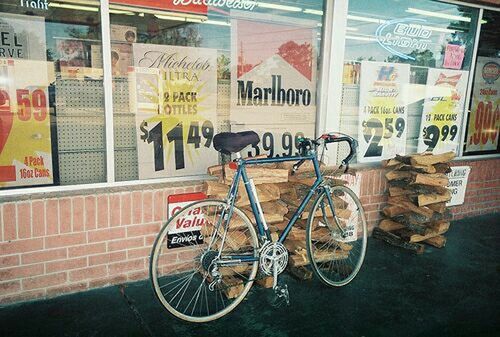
(199, 269)
(331, 255)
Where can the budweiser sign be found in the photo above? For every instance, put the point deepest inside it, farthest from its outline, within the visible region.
(232, 4)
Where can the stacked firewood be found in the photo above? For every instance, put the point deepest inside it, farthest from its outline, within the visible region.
(416, 210)
(280, 194)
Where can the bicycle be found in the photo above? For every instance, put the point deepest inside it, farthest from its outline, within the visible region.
(218, 262)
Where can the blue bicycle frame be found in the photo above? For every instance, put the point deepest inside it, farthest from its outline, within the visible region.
(264, 232)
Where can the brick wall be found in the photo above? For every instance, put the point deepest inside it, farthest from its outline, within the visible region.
(55, 245)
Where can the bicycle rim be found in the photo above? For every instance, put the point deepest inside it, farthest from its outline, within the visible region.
(336, 251)
(182, 269)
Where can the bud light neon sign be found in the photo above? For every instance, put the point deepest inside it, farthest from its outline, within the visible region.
(401, 36)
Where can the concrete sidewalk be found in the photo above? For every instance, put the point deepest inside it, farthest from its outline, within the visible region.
(444, 292)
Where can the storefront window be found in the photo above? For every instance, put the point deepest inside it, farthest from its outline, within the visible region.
(484, 117)
(405, 76)
(182, 73)
(51, 94)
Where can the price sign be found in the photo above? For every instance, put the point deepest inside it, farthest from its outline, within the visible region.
(276, 141)
(25, 145)
(484, 117)
(175, 100)
(383, 110)
(443, 110)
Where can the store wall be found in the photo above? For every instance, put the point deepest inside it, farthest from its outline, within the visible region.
(50, 245)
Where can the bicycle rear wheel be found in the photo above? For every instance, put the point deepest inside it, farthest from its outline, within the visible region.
(336, 243)
(185, 268)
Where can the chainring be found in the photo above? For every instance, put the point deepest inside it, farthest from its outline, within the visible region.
(271, 254)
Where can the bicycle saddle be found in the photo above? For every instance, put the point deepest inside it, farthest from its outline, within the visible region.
(231, 142)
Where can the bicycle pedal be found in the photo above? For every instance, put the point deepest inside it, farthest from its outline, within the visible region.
(282, 296)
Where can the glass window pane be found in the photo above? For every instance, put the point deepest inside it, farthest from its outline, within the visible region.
(181, 74)
(405, 75)
(51, 94)
(484, 117)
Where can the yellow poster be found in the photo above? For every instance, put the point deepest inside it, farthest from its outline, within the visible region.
(25, 143)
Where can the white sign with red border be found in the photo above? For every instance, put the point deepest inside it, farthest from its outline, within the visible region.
(186, 231)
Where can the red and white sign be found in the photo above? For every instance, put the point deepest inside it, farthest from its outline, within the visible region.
(186, 230)
(192, 8)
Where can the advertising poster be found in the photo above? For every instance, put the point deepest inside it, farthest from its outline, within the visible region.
(25, 143)
(22, 37)
(273, 76)
(484, 116)
(443, 110)
(186, 231)
(457, 184)
(175, 97)
(383, 110)
(275, 140)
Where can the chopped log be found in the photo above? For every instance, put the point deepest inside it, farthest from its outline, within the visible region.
(397, 241)
(427, 199)
(397, 191)
(297, 234)
(442, 168)
(296, 260)
(266, 282)
(309, 181)
(403, 159)
(295, 245)
(260, 175)
(413, 221)
(440, 207)
(403, 202)
(401, 187)
(391, 211)
(431, 159)
(235, 270)
(436, 179)
(233, 287)
(270, 218)
(267, 192)
(433, 231)
(390, 162)
(211, 187)
(327, 256)
(287, 187)
(275, 207)
(437, 241)
(389, 225)
(301, 273)
(417, 168)
(398, 175)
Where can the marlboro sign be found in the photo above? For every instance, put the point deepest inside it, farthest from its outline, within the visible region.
(186, 231)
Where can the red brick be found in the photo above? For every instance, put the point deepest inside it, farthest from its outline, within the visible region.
(21, 246)
(107, 281)
(65, 289)
(78, 214)
(65, 240)
(20, 272)
(125, 244)
(126, 208)
(107, 258)
(52, 216)
(122, 267)
(106, 234)
(24, 296)
(147, 206)
(51, 267)
(136, 207)
(370, 207)
(65, 215)
(44, 281)
(102, 211)
(90, 213)
(87, 273)
(24, 220)
(1, 224)
(139, 252)
(9, 261)
(377, 199)
(114, 203)
(88, 249)
(38, 218)
(159, 206)
(10, 287)
(138, 275)
(376, 183)
(44, 255)
(149, 240)
(139, 230)
(9, 222)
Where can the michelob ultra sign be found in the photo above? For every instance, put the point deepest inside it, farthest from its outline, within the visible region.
(186, 230)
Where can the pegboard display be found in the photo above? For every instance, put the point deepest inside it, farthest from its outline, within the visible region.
(82, 167)
(75, 96)
(223, 105)
(125, 133)
(77, 132)
(121, 95)
(126, 164)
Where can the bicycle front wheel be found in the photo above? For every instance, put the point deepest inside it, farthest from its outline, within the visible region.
(336, 240)
(202, 268)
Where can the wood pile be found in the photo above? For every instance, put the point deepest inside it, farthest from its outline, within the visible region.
(416, 212)
(280, 194)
